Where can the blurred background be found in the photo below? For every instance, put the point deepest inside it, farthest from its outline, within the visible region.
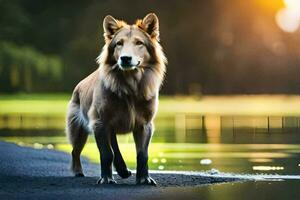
(213, 46)
(231, 96)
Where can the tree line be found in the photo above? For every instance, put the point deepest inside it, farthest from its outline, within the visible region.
(213, 46)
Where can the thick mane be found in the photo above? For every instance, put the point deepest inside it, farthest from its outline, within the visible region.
(144, 82)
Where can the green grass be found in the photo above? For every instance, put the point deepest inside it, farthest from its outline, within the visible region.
(55, 104)
(34, 104)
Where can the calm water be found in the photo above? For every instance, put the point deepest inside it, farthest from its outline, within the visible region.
(238, 144)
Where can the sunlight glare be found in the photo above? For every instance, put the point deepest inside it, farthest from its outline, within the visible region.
(288, 18)
(267, 168)
(292, 3)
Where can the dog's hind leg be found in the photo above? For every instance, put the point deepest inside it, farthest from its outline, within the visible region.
(118, 161)
(77, 135)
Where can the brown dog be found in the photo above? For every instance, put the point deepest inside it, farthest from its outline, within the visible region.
(120, 97)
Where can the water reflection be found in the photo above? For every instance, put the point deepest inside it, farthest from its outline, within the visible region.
(178, 128)
(267, 168)
(243, 144)
(246, 191)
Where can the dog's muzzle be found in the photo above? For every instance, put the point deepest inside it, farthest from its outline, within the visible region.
(127, 63)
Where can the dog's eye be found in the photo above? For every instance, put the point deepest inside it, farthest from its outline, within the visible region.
(119, 43)
(138, 42)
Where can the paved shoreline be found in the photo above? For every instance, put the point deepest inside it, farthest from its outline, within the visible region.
(27, 173)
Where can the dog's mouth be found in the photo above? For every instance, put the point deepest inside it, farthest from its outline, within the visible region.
(129, 67)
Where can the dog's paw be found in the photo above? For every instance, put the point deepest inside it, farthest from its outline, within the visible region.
(106, 180)
(79, 174)
(124, 173)
(146, 181)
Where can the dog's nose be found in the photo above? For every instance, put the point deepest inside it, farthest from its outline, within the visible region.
(126, 60)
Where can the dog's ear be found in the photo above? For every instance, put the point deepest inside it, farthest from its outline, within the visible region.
(150, 25)
(110, 26)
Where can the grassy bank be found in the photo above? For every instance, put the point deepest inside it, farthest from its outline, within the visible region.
(55, 104)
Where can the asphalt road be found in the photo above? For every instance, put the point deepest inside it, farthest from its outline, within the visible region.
(27, 173)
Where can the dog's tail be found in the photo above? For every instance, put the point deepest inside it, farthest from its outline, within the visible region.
(74, 117)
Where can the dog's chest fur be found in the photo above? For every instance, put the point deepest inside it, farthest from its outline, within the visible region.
(124, 113)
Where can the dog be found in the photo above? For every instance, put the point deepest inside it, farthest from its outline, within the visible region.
(121, 96)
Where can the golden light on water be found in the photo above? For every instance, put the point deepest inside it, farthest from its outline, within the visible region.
(261, 160)
(267, 168)
(161, 167)
(288, 18)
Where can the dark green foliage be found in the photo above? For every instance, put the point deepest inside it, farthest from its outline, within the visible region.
(212, 46)
(24, 68)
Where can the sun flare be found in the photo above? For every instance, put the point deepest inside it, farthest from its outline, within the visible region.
(288, 18)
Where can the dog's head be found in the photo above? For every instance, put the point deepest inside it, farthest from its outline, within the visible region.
(131, 47)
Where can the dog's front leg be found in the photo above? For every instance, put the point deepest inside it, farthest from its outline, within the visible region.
(102, 135)
(119, 162)
(142, 136)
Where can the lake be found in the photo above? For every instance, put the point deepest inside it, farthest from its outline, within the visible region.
(239, 143)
